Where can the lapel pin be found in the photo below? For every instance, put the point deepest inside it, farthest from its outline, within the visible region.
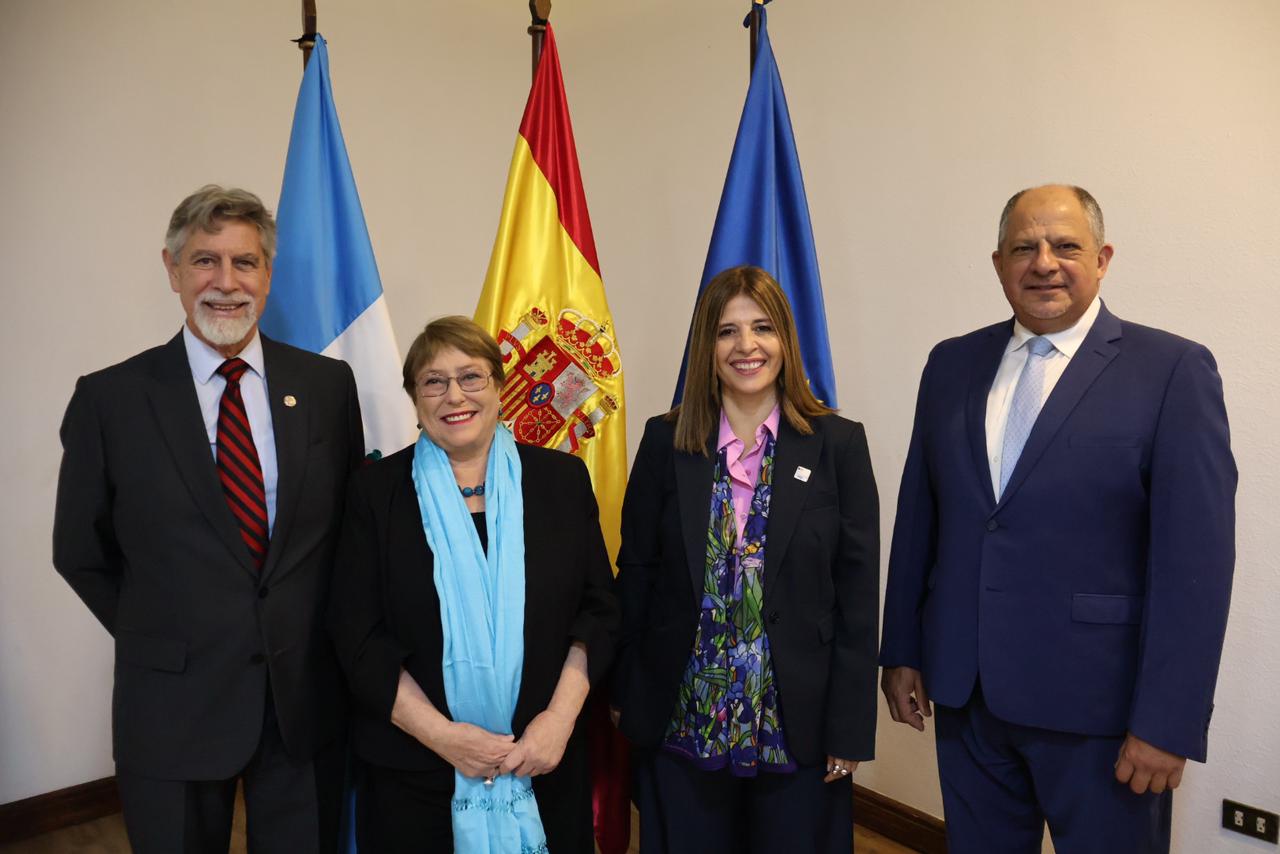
(290, 400)
(802, 474)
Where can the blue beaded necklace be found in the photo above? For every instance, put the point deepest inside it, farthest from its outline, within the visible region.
(468, 491)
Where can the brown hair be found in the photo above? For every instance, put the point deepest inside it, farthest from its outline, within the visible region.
(462, 334)
(699, 411)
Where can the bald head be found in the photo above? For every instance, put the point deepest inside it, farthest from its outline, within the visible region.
(1049, 261)
(1092, 210)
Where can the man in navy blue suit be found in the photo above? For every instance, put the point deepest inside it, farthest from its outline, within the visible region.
(1062, 556)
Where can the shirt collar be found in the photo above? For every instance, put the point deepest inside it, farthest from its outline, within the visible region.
(204, 360)
(1067, 341)
(767, 427)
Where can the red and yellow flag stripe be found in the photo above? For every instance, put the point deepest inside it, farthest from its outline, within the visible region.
(544, 300)
(544, 257)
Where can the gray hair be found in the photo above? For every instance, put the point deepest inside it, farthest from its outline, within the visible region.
(211, 205)
(1092, 212)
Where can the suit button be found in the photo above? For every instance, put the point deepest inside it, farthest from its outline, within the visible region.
(773, 617)
(992, 525)
(263, 591)
(257, 658)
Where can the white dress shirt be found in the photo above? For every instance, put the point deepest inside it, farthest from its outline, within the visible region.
(204, 361)
(1065, 343)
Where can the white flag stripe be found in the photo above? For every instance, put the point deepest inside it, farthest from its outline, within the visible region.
(368, 345)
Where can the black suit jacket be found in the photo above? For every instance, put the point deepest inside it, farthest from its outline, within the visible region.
(821, 585)
(385, 614)
(143, 534)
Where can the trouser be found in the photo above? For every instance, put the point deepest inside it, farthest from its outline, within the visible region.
(1001, 783)
(685, 809)
(410, 812)
(290, 805)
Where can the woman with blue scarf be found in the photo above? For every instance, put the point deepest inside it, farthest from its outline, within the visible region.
(749, 582)
(471, 609)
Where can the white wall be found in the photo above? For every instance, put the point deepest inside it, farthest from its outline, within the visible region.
(915, 121)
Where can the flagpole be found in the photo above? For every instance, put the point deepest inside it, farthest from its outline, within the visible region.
(539, 11)
(756, 6)
(308, 38)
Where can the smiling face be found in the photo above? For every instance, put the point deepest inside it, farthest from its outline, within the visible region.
(1049, 263)
(460, 422)
(222, 280)
(748, 353)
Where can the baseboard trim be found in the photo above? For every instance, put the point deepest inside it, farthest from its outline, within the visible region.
(87, 801)
(54, 810)
(895, 820)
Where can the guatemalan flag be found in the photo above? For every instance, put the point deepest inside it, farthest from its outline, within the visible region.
(326, 295)
(763, 218)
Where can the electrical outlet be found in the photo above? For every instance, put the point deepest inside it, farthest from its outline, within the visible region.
(1251, 821)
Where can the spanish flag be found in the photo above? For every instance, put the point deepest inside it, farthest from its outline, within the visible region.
(544, 302)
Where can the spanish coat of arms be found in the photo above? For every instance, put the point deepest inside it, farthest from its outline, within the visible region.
(553, 396)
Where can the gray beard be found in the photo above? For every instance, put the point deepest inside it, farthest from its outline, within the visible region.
(225, 331)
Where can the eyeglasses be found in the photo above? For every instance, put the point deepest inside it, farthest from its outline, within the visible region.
(436, 385)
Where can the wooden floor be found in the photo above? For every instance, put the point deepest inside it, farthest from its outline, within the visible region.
(106, 836)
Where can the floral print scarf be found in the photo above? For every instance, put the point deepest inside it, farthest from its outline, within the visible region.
(727, 709)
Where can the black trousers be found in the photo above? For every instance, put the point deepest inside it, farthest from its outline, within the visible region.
(404, 812)
(409, 812)
(685, 810)
(290, 805)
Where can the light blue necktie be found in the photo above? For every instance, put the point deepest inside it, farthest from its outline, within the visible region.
(1028, 397)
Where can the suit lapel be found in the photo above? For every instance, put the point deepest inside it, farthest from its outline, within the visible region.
(173, 399)
(985, 364)
(289, 424)
(693, 484)
(1095, 353)
(793, 451)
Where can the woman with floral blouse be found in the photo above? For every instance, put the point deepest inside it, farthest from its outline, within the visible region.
(749, 583)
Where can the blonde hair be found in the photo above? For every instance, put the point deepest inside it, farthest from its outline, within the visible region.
(699, 411)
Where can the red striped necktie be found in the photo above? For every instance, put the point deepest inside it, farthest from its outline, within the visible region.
(238, 467)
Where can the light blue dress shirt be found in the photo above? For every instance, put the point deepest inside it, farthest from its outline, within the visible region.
(204, 362)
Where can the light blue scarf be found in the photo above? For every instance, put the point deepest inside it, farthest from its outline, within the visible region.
(482, 615)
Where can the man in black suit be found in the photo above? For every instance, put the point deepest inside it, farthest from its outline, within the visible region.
(197, 512)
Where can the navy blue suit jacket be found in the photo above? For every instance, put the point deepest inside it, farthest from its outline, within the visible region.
(1092, 597)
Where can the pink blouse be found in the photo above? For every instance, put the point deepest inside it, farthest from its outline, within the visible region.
(744, 469)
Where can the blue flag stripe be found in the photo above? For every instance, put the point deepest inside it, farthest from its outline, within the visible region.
(763, 218)
(324, 275)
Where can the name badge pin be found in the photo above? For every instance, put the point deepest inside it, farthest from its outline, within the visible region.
(802, 474)
(290, 400)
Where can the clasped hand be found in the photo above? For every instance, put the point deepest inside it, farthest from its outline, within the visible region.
(476, 752)
(541, 747)
(473, 750)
